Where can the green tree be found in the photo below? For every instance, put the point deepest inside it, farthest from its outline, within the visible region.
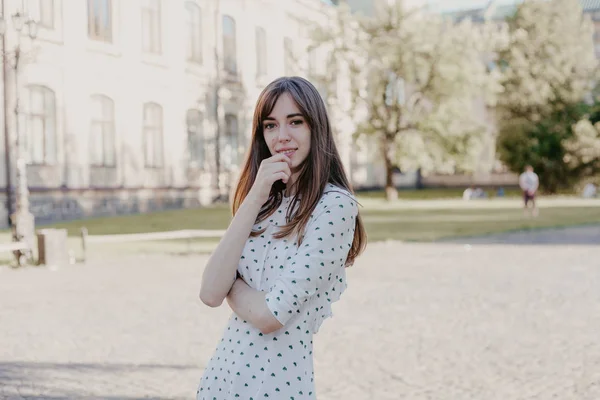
(552, 146)
(549, 69)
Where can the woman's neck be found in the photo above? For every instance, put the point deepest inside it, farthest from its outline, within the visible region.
(289, 191)
(290, 187)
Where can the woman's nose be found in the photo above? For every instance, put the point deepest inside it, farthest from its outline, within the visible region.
(284, 135)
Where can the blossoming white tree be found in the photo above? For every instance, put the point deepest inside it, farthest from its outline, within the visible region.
(416, 78)
(550, 60)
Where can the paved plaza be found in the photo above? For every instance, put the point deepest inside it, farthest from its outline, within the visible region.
(419, 321)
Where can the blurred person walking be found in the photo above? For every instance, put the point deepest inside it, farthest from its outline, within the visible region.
(529, 183)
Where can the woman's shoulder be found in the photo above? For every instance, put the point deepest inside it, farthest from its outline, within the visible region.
(331, 191)
(337, 196)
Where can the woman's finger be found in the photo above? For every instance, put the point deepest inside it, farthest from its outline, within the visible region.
(288, 170)
(282, 176)
(279, 157)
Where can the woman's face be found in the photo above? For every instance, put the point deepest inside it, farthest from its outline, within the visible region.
(286, 131)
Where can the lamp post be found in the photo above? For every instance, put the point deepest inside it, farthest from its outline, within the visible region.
(21, 219)
(217, 94)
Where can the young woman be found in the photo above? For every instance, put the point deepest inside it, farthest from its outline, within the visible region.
(281, 263)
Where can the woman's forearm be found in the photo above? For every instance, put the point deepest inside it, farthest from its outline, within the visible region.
(220, 271)
(250, 305)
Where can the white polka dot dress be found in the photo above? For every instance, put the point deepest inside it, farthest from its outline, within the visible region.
(301, 284)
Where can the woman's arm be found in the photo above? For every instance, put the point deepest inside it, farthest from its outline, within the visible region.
(220, 271)
(250, 305)
(306, 274)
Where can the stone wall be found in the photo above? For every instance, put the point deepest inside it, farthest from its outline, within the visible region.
(55, 206)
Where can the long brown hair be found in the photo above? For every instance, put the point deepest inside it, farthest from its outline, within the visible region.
(322, 166)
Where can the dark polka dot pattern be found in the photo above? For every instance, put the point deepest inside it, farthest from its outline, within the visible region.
(301, 284)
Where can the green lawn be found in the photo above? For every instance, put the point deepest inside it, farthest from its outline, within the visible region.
(407, 220)
(431, 225)
(400, 223)
(431, 194)
(214, 217)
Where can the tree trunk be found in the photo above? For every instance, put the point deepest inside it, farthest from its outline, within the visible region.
(391, 194)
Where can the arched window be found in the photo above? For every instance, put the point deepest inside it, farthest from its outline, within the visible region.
(100, 20)
(229, 146)
(193, 16)
(40, 137)
(42, 11)
(288, 56)
(151, 26)
(195, 135)
(153, 135)
(261, 51)
(229, 45)
(102, 132)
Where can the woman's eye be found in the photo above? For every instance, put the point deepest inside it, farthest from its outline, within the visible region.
(297, 122)
(269, 126)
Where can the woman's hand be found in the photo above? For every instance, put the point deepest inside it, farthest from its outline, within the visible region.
(271, 170)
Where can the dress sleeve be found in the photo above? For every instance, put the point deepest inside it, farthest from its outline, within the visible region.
(319, 259)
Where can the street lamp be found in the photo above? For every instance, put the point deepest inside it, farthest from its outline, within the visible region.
(21, 219)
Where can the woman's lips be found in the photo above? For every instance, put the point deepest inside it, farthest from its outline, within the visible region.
(288, 153)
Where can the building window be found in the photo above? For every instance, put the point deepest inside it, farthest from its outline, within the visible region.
(102, 132)
(195, 135)
(151, 26)
(261, 52)
(323, 74)
(229, 143)
(100, 20)
(334, 67)
(153, 135)
(194, 32)
(288, 56)
(42, 11)
(596, 31)
(40, 138)
(229, 45)
(320, 83)
(313, 73)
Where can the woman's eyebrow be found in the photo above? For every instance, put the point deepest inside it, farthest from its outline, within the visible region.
(289, 116)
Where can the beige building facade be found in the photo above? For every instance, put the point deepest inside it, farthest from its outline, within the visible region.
(119, 100)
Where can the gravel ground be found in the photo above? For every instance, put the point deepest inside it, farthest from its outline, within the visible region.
(418, 321)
